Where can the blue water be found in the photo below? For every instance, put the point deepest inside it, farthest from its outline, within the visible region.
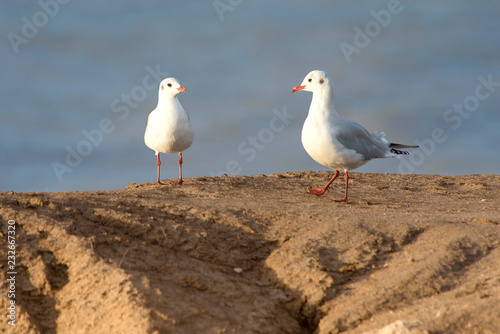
(93, 63)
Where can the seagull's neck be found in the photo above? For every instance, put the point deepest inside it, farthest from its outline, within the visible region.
(167, 102)
(322, 104)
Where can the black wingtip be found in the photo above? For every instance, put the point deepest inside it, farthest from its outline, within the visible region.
(395, 145)
(394, 151)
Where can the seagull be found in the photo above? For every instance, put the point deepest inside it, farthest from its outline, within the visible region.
(335, 142)
(168, 129)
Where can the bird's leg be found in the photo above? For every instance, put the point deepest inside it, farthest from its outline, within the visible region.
(319, 192)
(158, 163)
(346, 178)
(180, 169)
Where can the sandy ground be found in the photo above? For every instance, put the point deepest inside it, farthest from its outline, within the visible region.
(408, 254)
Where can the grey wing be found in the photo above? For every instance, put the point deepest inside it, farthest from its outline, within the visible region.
(355, 137)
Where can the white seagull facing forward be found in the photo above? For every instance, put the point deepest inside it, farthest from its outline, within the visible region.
(168, 129)
(335, 142)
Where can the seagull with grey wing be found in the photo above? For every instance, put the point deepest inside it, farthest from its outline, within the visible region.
(335, 142)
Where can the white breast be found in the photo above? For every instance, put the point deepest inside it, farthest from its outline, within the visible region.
(318, 139)
(168, 129)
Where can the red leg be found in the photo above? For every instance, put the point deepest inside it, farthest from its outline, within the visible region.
(158, 163)
(319, 192)
(180, 169)
(346, 178)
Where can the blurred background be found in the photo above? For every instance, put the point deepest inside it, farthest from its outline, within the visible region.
(79, 78)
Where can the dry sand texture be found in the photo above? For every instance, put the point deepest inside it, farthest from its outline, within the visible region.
(408, 254)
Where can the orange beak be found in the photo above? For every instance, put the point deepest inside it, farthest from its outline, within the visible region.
(297, 88)
(182, 89)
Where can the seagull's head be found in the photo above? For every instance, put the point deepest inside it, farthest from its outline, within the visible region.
(171, 87)
(315, 81)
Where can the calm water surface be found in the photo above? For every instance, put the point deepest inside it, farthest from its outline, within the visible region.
(79, 79)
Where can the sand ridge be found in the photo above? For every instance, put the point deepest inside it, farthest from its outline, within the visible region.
(256, 254)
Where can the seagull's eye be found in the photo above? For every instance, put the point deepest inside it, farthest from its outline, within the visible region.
(321, 81)
(169, 84)
(310, 80)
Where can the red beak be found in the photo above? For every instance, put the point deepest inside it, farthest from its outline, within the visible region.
(182, 89)
(297, 88)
